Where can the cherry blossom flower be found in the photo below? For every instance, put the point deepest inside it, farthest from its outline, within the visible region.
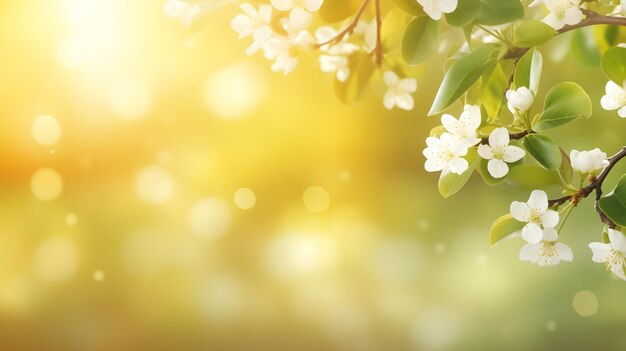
(300, 15)
(336, 60)
(548, 251)
(499, 152)
(435, 8)
(519, 101)
(589, 162)
(399, 91)
(612, 253)
(562, 12)
(445, 154)
(253, 23)
(615, 98)
(536, 214)
(466, 127)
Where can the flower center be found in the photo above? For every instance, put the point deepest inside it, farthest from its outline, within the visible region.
(535, 216)
(614, 259)
(498, 152)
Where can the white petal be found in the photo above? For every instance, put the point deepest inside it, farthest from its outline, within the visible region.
(618, 269)
(532, 233)
(618, 240)
(313, 5)
(553, 21)
(300, 18)
(622, 112)
(471, 116)
(391, 78)
(458, 165)
(485, 151)
(550, 219)
(408, 85)
(448, 6)
(565, 252)
(242, 25)
(601, 251)
(520, 211)
(573, 15)
(449, 123)
(265, 12)
(282, 5)
(405, 101)
(513, 153)
(389, 100)
(499, 136)
(497, 168)
(432, 8)
(538, 201)
(549, 234)
(609, 103)
(434, 165)
(530, 252)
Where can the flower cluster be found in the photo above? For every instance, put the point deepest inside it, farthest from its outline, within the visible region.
(561, 12)
(615, 98)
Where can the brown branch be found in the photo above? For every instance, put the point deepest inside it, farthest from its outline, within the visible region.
(512, 136)
(378, 50)
(349, 29)
(595, 185)
(593, 18)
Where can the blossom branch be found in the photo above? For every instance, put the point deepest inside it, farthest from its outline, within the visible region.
(593, 18)
(595, 185)
(378, 50)
(350, 28)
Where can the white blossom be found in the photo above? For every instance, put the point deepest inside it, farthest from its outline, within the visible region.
(520, 100)
(445, 154)
(300, 10)
(466, 127)
(612, 253)
(591, 161)
(499, 152)
(562, 12)
(399, 91)
(615, 98)
(336, 59)
(183, 10)
(548, 251)
(253, 23)
(435, 8)
(536, 214)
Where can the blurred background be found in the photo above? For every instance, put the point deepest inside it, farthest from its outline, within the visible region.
(160, 190)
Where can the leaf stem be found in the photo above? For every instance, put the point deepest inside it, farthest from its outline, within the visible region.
(378, 50)
(349, 29)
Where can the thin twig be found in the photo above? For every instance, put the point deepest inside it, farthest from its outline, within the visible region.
(349, 29)
(378, 50)
(595, 185)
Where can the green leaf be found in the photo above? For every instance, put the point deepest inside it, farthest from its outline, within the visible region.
(462, 74)
(333, 11)
(532, 176)
(532, 33)
(465, 13)
(528, 71)
(450, 183)
(492, 91)
(565, 170)
(564, 103)
(504, 227)
(420, 40)
(410, 6)
(614, 204)
(545, 150)
(496, 12)
(362, 68)
(614, 64)
(584, 48)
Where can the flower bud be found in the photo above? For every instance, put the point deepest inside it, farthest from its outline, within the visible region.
(588, 161)
(520, 100)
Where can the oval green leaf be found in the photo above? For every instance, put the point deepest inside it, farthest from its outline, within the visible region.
(451, 183)
(532, 33)
(420, 40)
(614, 204)
(462, 74)
(496, 12)
(532, 176)
(545, 150)
(410, 6)
(528, 71)
(504, 227)
(614, 64)
(564, 103)
(465, 13)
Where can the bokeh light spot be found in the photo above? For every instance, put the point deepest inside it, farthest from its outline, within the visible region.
(234, 91)
(299, 253)
(585, 303)
(46, 184)
(56, 260)
(551, 325)
(245, 198)
(46, 130)
(71, 219)
(98, 276)
(316, 199)
(154, 184)
(210, 217)
(70, 52)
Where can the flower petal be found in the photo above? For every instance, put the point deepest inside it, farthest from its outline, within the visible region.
(458, 165)
(538, 201)
(532, 233)
(530, 252)
(497, 168)
(550, 219)
(550, 234)
(485, 151)
(600, 251)
(513, 153)
(405, 101)
(391, 78)
(564, 252)
(520, 211)
(449, 123)
(499, 137)
(618, 240)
